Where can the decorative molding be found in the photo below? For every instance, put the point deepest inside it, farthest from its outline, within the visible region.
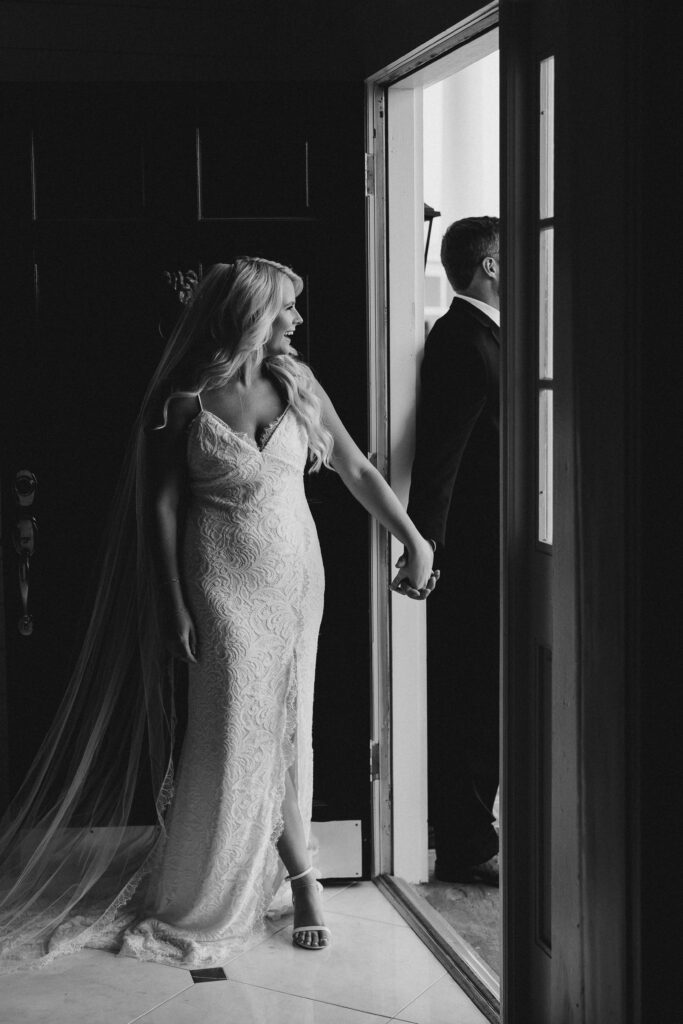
(476, 24)
(182, 283)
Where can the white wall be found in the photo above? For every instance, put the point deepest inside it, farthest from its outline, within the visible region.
(461, 155)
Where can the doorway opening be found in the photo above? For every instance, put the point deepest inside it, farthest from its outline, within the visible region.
(460, 179)
(433, 158)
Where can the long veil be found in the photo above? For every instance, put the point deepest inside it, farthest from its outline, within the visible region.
(81, 833)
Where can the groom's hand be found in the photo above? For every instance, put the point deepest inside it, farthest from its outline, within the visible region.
(402, 585)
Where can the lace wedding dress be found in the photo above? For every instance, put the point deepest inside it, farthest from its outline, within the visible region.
(253, 577)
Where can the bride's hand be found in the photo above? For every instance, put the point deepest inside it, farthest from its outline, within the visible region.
(415, 577)
(177, 628)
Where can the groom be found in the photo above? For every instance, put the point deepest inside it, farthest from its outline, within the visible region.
(454, 500)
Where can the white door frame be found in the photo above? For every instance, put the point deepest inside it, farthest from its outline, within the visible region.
(395, 304)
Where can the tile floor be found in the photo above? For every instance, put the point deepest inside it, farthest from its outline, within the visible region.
(376, 971)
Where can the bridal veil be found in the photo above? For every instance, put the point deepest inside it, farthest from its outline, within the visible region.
(80, 834)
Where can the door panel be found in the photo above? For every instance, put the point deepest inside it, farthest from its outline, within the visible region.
(266, 176)
(90, 168)
(534, 862)
(102, 190)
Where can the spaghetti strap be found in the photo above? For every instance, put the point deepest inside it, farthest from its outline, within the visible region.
(199, 399)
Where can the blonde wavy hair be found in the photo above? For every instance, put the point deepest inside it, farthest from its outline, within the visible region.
(222, 335)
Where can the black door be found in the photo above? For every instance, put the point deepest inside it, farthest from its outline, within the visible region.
(109, 191)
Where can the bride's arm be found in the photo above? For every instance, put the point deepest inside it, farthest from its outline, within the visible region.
(165, 485)
(370, 488)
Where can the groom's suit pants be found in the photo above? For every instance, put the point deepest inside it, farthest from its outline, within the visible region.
(463, 693)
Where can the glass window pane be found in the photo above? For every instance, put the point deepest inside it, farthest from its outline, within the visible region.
(545, 304)
(547, 137)
(545, 466)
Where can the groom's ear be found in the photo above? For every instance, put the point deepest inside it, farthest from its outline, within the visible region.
(489, 265)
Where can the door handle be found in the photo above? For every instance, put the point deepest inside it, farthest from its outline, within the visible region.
(24, 544)
(24, 539)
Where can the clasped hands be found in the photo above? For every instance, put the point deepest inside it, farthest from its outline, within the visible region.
(412, 569)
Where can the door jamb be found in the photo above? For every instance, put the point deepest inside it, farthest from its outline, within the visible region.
(479, 23)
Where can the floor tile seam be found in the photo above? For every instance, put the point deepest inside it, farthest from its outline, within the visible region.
(409, 1020)
(290, 915)
(371, 920)
(257, 945)
(402, 1009)
(277, 928)
(328, 917)
(339, 891)
(310, 999)
(290, 924)
(163, 1002)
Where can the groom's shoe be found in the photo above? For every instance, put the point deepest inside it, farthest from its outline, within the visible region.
(486, 873)
(478, 862)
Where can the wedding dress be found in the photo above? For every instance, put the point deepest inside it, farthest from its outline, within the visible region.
(194, 887)
(253, 579)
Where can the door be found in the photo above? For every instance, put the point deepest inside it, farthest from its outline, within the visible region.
(532, 757)
(462, 64)
(114, 193)
(540, 855)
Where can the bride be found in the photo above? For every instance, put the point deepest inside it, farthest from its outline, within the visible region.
(230, 581)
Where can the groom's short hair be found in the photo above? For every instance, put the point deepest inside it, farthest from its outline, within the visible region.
(465, 244)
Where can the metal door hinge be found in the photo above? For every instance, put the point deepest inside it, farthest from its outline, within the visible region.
(374, 761)
(369, 174)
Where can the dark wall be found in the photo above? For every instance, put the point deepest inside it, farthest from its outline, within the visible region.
(191, 40)
(388, 29)
(659, 567)
(177, 40)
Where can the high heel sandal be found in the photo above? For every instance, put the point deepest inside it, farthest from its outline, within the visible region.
(307, 927)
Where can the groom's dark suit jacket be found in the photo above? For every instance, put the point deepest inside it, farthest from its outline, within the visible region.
(454, 489)
(454, 501)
